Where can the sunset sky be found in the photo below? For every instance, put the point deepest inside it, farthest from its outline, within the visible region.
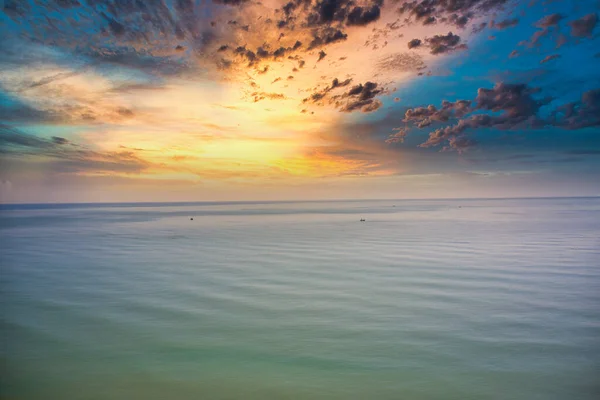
(187, 100)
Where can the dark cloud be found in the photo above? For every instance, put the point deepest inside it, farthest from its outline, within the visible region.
(366, 108)
(321, 14)
(325, 12)
(504, 24)
(16, 8)
(425, 116)
(363, 16)
(280, 52)
(429, 20)
(117, 28)
(360, 97)
(229, 2)
(514, 102)
(23, 113)
(455, 12)
(141, 20)
(68, 3)
(320, 95)
(460, 21)
(440, 44)
(534, 41)
(244, 53)
(66, 157)
(326, 36)
(549, 21)
(122, 26)
(11, 138)
(168, 37)
(263, 53)
(140, 60)
(550, 58)
(337, 84)
(517, 108)
(327, 18)
(414, 43)
(59, 140)
(584, 26)
(398, 136)
(448, 133)
(580, 114)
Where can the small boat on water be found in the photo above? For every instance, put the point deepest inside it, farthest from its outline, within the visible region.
(362, 220)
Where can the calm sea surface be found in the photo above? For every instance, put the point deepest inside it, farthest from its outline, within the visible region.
(448, 299)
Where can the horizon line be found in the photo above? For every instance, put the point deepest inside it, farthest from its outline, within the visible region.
(212, 202)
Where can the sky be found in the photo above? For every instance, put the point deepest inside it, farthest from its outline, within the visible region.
(200, 100)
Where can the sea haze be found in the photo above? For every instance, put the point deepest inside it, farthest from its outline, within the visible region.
(444, 299)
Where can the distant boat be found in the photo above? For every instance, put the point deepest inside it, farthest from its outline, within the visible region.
(191, 219)
(362, 220)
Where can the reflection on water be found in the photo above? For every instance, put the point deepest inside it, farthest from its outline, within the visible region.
(481, 299)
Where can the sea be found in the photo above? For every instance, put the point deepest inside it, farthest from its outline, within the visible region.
(424, 299)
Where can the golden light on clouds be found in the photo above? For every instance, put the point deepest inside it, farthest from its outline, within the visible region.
(243, 94)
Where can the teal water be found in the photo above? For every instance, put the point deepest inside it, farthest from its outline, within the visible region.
(448, 299)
